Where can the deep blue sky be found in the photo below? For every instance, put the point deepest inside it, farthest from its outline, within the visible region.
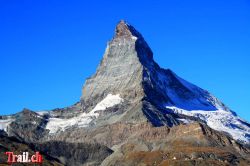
(48, 48)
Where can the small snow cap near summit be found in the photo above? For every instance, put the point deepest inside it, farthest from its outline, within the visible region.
(123, 29)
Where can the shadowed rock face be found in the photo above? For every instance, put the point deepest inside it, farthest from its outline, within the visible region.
(75, 153)
(56, 153)
(147, 125)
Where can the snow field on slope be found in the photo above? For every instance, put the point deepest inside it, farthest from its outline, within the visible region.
(83, 120)
(219, 120)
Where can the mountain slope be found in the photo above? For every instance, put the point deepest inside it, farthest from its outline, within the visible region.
(128, 69)
(193, 144)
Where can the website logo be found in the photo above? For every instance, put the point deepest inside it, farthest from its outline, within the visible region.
(24, 158)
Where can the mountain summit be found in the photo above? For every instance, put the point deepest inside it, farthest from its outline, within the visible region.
(128, 69)
(121, 69)
(135, 108)
(123, 29)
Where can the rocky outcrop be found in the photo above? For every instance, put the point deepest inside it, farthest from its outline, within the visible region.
(28, 126)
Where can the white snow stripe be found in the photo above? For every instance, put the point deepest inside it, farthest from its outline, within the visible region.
(83, 120)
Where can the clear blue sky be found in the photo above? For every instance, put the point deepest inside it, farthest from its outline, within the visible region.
(48, 48)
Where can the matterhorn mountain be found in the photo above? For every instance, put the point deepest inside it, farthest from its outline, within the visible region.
(133, 112)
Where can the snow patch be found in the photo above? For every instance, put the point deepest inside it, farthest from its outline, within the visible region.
(41, 113)
(134, 38)
(83, 120)
(5, 123)
(220, 120)
(109, 101)
(188, 99)
(185, 121)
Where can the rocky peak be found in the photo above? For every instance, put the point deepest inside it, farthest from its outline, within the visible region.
(128, 69)
(123, 29)
(121, 69)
